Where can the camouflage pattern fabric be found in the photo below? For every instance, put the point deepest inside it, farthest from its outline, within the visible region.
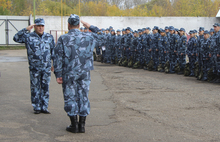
(40, 53)
(150, 65)
(167, 67)
(136, 65)
(73, 62)
(196, 69)
(187, 70)
(210, 75)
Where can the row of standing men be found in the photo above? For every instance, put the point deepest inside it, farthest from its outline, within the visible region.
(164, 50)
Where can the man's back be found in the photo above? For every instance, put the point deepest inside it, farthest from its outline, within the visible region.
(75, 51)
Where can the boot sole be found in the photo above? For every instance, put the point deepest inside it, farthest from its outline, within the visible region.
(72, 131)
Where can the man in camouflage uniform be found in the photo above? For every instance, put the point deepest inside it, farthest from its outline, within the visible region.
(128, 39)
(181, 48)
(173, 43)
(198, 55)
(155, 48)
(40, 47)
(147, 48)
(118, 45)
(215, 45)
(72, 64)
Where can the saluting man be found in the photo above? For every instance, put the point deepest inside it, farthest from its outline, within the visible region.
(40, 47)
(72, 64)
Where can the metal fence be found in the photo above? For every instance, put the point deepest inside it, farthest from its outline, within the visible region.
(57, 33)
(9, 26)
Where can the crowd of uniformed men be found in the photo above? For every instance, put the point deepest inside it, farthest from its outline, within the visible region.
(163, 50)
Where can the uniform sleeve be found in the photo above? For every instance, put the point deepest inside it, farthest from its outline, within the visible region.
(210, 48)
(21, 36)
(52, 46)
(218, 45)
(166, 44)
(58, 58)
(187, 49)
(195, 46)
(94, 29)
(183, 45)
(160, 44)
(176, 43)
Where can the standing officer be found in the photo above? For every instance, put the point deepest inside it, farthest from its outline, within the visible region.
(137, 52)
(173, 41)
(107, 43)
(191, 51)
(112, 42)
(147, 49)
(205, 53)
(141, 46)
(163, 46)
(216, 52)
(155, 48)
(102, 44)
(181, 50)
(118, 46)
(40, 47)
(198, 55)
(128, 40)
(123, 39)
(72, 64)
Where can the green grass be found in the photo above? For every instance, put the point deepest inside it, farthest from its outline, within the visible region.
(12, 47)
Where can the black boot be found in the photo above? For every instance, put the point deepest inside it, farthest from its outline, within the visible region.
(82, 120)
(218, 80)
(73, 128)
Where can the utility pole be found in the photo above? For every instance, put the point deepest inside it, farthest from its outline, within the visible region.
(79, 7)
(61, 16)
(34, 8)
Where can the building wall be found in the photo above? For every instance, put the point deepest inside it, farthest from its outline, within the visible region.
(54, 22)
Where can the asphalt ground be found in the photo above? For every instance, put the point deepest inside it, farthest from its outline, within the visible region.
(126, 105)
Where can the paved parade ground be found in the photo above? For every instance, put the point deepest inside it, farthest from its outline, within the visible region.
(127, 105)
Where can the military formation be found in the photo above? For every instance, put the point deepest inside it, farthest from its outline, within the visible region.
(163, 50)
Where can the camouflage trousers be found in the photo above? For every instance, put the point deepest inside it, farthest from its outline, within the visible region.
(98, 50)
(75, 93)
(192, 60)
(155, 56)
(206, 66)
(147, 56)
(182, 61)
(119, 54)
(39, 81)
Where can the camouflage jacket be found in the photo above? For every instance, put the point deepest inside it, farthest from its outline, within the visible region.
(39, 49)
(74, 53)
(173, 41)
(118, 41)
(155, 39)
(163, 44)
(181, 48)
(192, 47)
(205, 49)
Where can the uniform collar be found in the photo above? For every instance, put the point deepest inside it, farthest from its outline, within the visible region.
(39, 36)
(74, 30)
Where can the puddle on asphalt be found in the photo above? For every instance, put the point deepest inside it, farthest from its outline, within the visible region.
(13, 59)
